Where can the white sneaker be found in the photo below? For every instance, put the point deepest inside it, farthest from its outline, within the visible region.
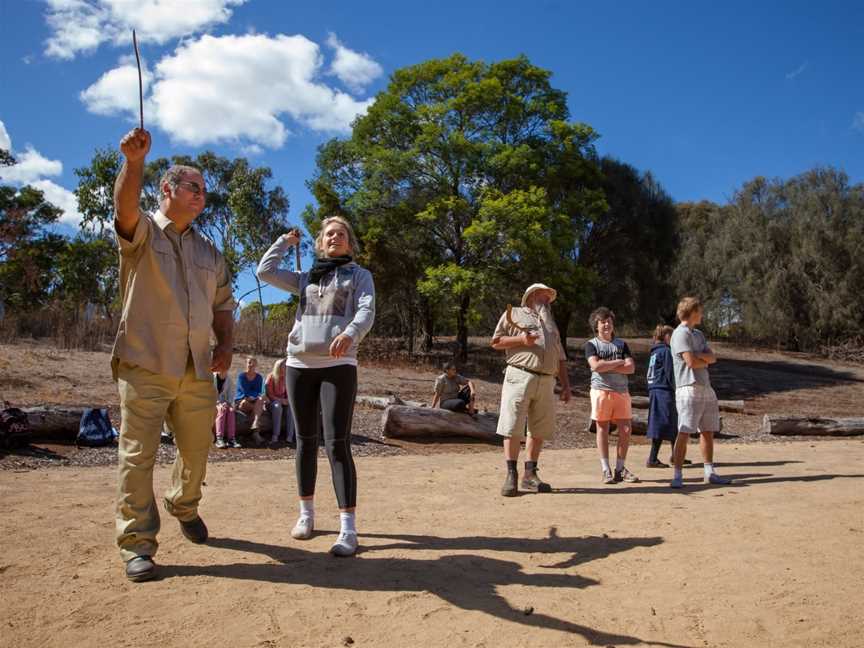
(304, 527)
(345, 545)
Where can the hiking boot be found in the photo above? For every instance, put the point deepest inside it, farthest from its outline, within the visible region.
(140, 569)
(345, 545)
(625, 475)
(194, 530)
(656, 464)
(714, 478)
(607, 477)
(509, 489)
(220, 443)
(303, 528)
(532, 483)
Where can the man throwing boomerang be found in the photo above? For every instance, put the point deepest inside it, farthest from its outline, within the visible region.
(175, 290)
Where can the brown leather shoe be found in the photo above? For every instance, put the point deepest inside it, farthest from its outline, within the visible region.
(140, 569)
(194, 530)
(532, 483)
(509, 488)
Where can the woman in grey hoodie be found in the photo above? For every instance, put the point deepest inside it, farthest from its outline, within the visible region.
(336, 311)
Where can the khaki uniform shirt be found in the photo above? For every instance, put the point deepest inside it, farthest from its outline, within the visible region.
(170, 286)
(547, 352)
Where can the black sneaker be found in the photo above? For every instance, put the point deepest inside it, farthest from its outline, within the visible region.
(140, 569)
(509, 488)
(194, 530)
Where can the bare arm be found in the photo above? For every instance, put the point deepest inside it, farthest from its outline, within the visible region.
(707, 356)
(127, 187)
(693, 361)
(502, 342)
(223, 328)
(564, 379)
(606, 366)
(436, 399)
(629, 366)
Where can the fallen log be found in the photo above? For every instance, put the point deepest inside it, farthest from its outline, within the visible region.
(734, 406)
(405, 422)
(639, 427)
(383, 402)
(55, 422)
(812, 426)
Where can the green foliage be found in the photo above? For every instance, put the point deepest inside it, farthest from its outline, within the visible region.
(24, 214)
(782, 262)
(251, 311)
(282, 313)
(465, 181)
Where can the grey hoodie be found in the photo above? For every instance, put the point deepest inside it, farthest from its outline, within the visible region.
(344, 302)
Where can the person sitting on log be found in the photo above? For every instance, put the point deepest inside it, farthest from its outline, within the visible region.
(698, 409)
(611, 362)
(250, 397)
(453, 391)
(226, 424)
(662, 415)
(277, 404)
(535, 355)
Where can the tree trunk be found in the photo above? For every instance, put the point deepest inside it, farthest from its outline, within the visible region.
(812, 426)
(462, 327)
(429, 326)
(412, 325)
(403, 422)
(54, 423)
(562, 321)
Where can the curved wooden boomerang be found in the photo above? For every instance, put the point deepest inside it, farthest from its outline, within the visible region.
(140, 82)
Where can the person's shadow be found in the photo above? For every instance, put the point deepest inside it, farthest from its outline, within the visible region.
(467, 581)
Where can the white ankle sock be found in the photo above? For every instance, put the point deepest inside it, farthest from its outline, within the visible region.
(307, 508)
(619, 464)
(604, 463)
(709, 469)
(346, 521)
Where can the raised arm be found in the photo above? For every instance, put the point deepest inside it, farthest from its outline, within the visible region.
(135, 146)
(268, 269)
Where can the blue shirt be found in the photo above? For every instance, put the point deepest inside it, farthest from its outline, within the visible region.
(249, 388)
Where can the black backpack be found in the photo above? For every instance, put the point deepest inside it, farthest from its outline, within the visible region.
(95, 428)
(14, 428)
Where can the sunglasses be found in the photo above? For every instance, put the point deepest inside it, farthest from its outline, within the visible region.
(191, 186)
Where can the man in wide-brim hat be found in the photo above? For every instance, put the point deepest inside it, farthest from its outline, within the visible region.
(535, 356)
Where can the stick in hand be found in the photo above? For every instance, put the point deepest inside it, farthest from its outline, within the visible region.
(140, 82)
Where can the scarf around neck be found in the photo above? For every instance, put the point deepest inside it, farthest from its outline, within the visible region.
(324, 265)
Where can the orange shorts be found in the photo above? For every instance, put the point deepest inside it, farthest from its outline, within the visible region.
(610, 406)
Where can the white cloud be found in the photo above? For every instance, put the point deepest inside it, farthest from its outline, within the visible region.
(354, 69)
(858, 122)
(62, 198)
(797, 71)
(80, 26)
(5, 140)
(116, 91)
(232, 89)
(31, 168)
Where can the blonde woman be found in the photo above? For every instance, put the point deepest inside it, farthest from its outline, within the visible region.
(277, 403)
(335, 312)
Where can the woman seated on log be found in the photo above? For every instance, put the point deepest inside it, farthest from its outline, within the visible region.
(454, 391)
(249, 400)
(277, 404)
(225, 421)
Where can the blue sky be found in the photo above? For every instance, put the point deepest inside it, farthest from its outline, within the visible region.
(704, 95)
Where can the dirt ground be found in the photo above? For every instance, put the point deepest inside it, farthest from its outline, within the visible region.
(773, 560)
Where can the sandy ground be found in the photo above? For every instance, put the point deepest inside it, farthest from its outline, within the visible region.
(774, 560)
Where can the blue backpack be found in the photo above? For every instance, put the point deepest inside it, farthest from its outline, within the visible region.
(95, 428)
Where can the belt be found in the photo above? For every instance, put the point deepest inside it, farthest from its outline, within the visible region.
(531, 371)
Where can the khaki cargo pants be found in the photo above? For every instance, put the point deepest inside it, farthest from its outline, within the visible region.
(188, 404)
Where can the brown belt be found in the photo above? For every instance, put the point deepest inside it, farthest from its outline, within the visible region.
(531, 371)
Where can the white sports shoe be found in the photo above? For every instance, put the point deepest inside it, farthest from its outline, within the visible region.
(304, 527)
(345, 545)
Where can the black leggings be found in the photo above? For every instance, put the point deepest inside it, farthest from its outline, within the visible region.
(655, 448)
(330, 391)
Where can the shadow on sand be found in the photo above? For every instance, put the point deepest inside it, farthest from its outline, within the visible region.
(467, 581)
